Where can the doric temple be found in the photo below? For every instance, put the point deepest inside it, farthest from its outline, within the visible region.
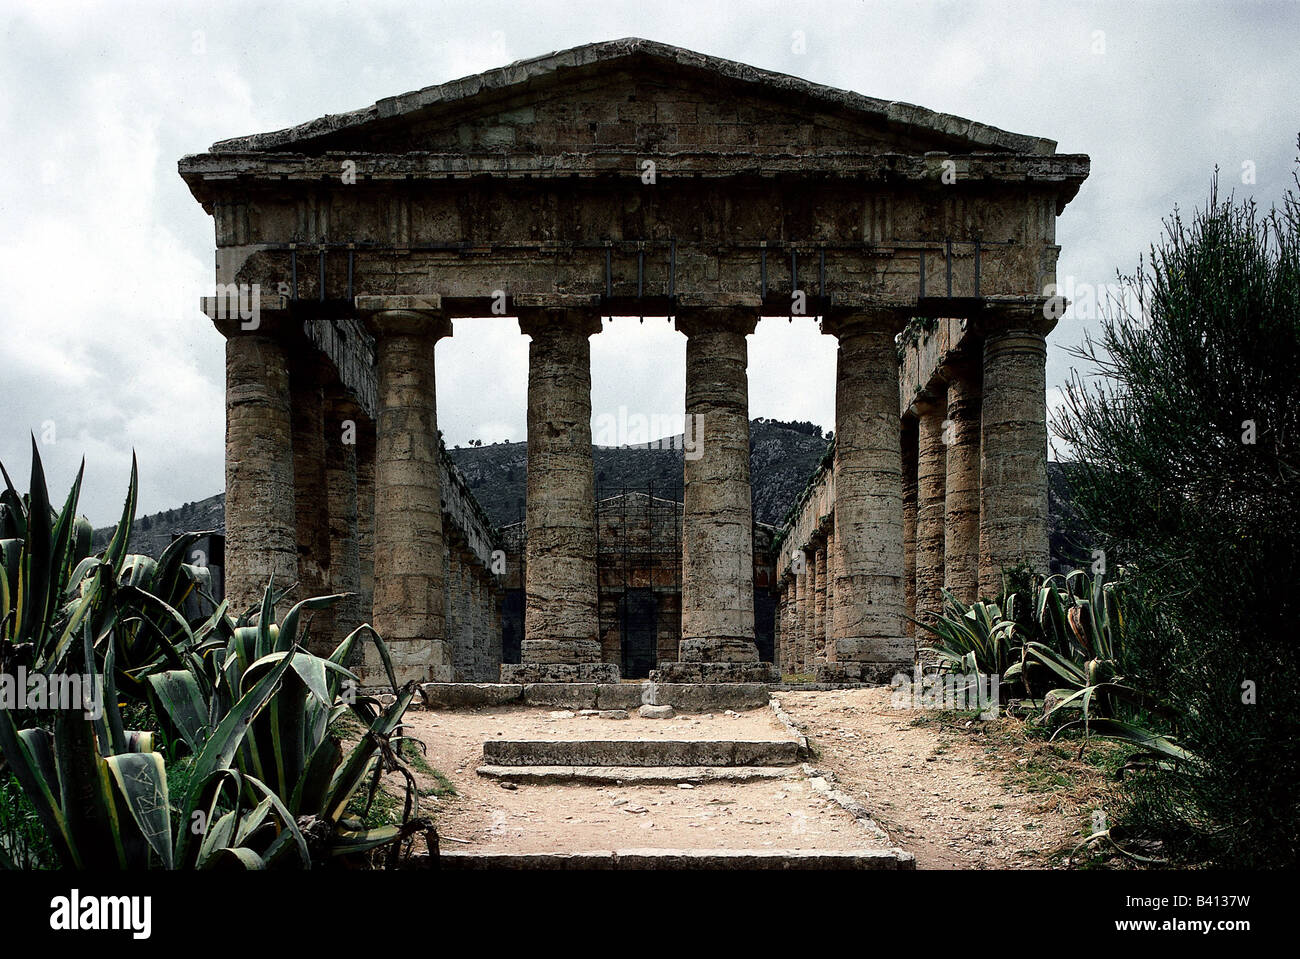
(626, 179)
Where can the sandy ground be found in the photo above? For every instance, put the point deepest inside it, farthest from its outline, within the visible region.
(941, 794)
(523, 723)
(541, 818)
(937, 793)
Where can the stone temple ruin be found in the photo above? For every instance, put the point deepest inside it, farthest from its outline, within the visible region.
(631, 178)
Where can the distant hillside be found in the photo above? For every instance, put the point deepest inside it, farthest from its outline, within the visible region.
(781, 458)
(151, 534)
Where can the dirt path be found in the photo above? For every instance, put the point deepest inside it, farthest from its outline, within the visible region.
(978, 798)
(956, 794)
(776, 814)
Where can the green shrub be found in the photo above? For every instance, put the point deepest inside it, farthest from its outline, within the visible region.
(1186, 433)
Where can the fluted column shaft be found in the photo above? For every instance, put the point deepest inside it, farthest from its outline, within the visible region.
(868, 629)
(962, 484)
(1013, 451)
(560, 615)
(717, 520)
(930, 479)
(261, 525)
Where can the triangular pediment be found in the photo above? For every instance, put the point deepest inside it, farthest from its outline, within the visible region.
(637, 96)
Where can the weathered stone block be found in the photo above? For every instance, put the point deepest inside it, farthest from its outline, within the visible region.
(656, 712)
(559, 673)
(701, 697)
(620, 695)
(641, 752)
(568, 695)
(715, 673)
(470, 695)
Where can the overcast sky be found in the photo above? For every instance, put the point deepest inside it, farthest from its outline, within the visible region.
(103, 252)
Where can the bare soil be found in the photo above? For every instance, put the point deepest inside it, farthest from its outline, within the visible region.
(776, 814)
(957, 792)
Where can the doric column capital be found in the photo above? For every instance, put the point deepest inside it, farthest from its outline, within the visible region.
(878, 318)
(245, 311)
(420, 316)
(928, 402)
(962, 364)
(694, 321)
(1034, 314)
(541, 321)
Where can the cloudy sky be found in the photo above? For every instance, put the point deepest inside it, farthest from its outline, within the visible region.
(103, 253)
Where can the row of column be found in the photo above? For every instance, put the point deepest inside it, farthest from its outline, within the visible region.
(981, 474)
(851, 628)
(972, 501)
(294, 485)
(319, 495)
(805, 610)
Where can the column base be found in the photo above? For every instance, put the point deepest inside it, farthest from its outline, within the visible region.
(559, 673)
(868, 674)
(413, 660)
(718, 649)
(560, 651)
(694, 672)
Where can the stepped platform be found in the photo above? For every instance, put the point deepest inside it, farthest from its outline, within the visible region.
(684, 697)
(641, 752)
(728, 860)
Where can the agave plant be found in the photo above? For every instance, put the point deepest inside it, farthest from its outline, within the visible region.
(975, 638)
(44, 560)
(51, 586)
(289, 746)
(102, 794)
(1075, 638)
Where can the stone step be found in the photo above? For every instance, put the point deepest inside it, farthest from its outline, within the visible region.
(636, 775)
(684, 697)
(640, 752)
(697, 859)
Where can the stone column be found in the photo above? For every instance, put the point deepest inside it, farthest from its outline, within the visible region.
(1013, 445)
(365, 455)
(788, 638)
(832, 561)
(961, 548)
(261, 526)
(869, 644)
(909, 439)
(819, 599)
(810, 610)
(342, 418)
(930, 477)
(561, 626)
(717, 524)
(776, 623)
(311, 504)
(409, 584)
(798, 589)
